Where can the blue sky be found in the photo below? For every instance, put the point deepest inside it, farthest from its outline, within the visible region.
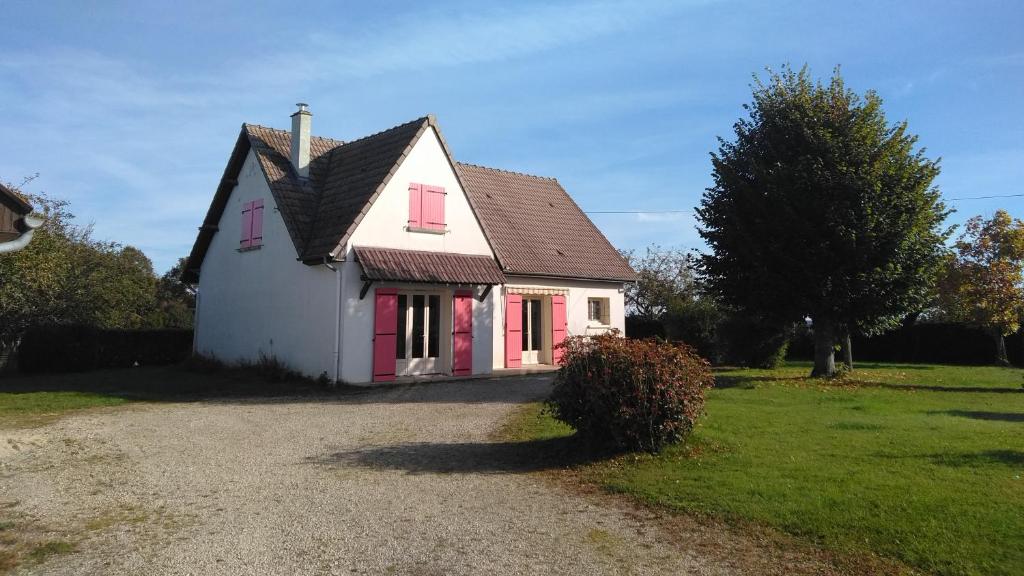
(129, 110)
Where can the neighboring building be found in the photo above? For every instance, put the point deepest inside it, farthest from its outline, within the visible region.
(384, 257)
(16, 223)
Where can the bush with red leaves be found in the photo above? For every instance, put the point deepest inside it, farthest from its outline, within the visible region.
(630, 394)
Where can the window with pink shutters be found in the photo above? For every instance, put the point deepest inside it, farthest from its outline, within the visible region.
(426, 207)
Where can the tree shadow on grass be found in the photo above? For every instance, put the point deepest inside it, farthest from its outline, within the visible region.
(981, 415)
(1011, 458)
(468, 457)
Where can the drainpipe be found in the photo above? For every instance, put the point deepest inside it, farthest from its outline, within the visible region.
(337, 317)
(31, 223)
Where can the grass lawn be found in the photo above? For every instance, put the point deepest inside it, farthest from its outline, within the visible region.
(921, 464)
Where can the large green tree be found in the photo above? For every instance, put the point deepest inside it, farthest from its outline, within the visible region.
(65, 276)
(984, 282)
(821, 208)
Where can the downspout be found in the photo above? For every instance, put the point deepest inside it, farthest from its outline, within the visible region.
(337, 318)
(31, 223)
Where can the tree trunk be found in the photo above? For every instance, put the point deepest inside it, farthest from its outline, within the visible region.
(846, 350)
(824, 349)
(1001, 357)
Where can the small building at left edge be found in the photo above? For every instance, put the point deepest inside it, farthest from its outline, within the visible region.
(16, 222)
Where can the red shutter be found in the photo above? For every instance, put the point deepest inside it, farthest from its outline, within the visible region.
(385, 334)
(433, 207)
(559, 326)
(257, 223)
(415, 206)
(246, 225)
(513, 331)
(462, 333)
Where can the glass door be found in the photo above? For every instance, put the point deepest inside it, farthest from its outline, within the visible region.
(419, 334)
(532, 330)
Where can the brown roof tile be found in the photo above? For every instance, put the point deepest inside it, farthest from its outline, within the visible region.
(389, 264)
(535, 228)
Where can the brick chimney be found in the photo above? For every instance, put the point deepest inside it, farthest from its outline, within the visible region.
(301, 121)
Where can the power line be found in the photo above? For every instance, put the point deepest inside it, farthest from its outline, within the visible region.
(690, 212)
(986, 197)
(637, 211)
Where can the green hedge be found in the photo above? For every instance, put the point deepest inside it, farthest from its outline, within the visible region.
(74, 348)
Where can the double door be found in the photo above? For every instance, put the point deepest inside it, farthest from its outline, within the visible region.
(418, 346)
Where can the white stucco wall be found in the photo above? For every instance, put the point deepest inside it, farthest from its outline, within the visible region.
(264, 301)
(384, 225)
(579, 291)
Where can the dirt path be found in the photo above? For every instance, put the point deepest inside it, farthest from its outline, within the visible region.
(396, 481)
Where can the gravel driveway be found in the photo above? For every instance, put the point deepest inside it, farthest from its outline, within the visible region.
(394, 481)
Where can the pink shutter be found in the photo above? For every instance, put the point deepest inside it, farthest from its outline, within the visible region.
(257, 223)
(558, 326)
(246, 225)
(462, 333)
(513, 331)
(415, 206)
(385, 334)
(433, 207)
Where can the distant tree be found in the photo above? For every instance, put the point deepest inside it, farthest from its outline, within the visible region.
(984, 281)
(663, 276)
(820, 208)
(175, 300)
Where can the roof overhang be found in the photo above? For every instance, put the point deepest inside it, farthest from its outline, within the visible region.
(393, 265)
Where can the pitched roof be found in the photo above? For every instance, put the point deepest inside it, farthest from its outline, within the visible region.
(14, 201)
(541, 233)
(389, 264)
(536, 229)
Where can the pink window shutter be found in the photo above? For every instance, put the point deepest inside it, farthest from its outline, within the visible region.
(559, 327)
(462, 333)
(385, 334)
(513, 331)
(246, 225)
(415, 206)
(433, 207)
(257, 223)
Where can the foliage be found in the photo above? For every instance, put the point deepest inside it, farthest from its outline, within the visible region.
(175, 300)
(695, 322)
(630, 394)
(745, 340)
(984, 284)
(664, 275)
(820, 208)
(917, 463)
(76, 347)
(65, 276)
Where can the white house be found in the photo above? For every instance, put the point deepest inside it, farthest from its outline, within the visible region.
(384, 258)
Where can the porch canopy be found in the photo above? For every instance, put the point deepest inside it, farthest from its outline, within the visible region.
(393, 265)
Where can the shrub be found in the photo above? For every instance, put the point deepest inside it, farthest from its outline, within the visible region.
(695, 322)
(753, 342)
(629, 394)
(77, 348)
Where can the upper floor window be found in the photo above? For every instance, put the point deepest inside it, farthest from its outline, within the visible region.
(426, 208)
(252, 225)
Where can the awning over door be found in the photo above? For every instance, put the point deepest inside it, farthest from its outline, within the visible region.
(392, 265)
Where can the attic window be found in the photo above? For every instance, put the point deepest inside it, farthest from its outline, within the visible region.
(252, 225)
(426, 208)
